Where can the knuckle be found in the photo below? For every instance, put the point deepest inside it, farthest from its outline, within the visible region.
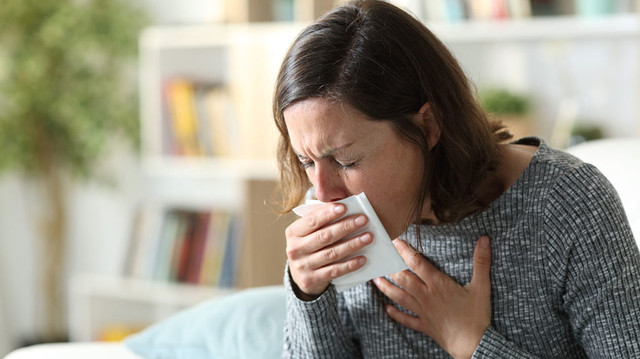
(292, 252)
(347, 226)
(416, 260)
(288, 232)
(483, 262)
(331, 254)
(311, 221)
(400, 279)
(334, 272)
(305, 282)
(354, 244)
(323, 237)
(329, 213)
(297, 266)
(402, 298)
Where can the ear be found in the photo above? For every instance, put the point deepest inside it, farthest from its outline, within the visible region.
(428, 120)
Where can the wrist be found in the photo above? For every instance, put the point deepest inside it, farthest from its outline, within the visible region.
(300, 294)
(469, 348)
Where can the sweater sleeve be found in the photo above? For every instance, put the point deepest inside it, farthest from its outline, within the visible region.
(596, 265)
(494, 345)
(318, 328)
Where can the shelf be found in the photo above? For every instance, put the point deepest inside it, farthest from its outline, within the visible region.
(539, 28)
(189, 36)
(144, 291)
(98, 302)
(209, 168)
(527, 29)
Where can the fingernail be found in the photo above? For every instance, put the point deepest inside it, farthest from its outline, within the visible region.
(361, 261)
(339, 208)
(365, 238)
(360, 220)
(484, 242)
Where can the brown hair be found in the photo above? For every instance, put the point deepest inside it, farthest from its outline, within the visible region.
(386, 64)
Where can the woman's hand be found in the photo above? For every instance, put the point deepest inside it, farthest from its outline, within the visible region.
(316, 253)
(456, 317)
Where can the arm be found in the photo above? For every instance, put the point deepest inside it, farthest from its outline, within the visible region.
(316, 252)
(600, 276)
(317, 328)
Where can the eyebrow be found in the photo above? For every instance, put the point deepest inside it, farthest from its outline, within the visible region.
(329, 153)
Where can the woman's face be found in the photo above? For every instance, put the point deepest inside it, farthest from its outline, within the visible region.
(344, 153)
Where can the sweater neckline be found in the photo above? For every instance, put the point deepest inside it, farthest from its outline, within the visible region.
(469, 223)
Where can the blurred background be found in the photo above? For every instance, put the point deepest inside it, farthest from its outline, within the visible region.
(137, 147)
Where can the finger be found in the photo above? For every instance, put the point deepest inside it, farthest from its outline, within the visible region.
(336, 270)
(403, 318)
(339, 251)
(414, 259)
(316, 219)
(396, 293)
(482, 263)
(410, 282)
(334, 232)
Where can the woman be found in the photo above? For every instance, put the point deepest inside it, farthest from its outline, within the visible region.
(521, 251)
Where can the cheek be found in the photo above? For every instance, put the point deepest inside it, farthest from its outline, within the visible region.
(392, 197)
(397, 187)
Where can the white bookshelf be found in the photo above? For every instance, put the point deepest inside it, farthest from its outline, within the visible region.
(98, 302)
(552, 28)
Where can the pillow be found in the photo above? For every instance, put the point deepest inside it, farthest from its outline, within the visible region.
(246, 324)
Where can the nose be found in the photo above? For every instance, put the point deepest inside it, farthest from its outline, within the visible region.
(328, 184)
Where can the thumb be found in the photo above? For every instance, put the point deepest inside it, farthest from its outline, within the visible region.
(482, 264)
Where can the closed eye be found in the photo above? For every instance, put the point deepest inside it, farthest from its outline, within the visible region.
(347, 165)
(305, 165)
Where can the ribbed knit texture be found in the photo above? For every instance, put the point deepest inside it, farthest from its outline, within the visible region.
(565, 277)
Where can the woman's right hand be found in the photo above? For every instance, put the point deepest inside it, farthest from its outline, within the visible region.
(316, 253)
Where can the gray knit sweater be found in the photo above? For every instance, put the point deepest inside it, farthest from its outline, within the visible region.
(565, 277)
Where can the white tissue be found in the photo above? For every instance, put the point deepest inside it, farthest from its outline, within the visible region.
(382, 256)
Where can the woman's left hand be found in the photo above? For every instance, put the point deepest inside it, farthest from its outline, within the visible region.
(456, 317)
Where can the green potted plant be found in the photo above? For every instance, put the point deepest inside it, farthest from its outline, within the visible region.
(511, 108)
(62, 98)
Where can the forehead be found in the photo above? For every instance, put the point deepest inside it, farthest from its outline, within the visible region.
(320, 123)
(320, 112)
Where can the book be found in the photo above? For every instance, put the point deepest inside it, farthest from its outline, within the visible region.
(186, 246)
(214, 249)
(183, 117)
(183, 247)
(445, 10)
(205, 140)
(173, 227)
(143, 243)
(232, 252)
(519, 9)
(222, 125)
(196, 253)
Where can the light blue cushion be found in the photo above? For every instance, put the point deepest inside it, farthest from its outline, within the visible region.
(246, 324)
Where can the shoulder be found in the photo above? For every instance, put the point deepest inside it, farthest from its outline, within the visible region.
(565, 175)
(569, 193)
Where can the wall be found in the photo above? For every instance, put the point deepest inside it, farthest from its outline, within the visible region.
(98, 228)
(600, 75)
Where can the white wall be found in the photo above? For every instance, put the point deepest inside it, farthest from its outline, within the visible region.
(98, 230)
(602, 74)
